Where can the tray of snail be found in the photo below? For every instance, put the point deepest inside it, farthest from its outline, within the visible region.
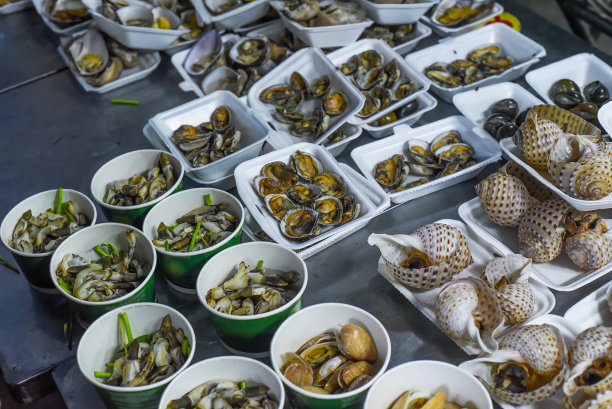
(476, 280)
(594, 309)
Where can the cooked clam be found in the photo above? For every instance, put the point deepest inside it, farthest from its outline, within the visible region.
(334, 103)
(370, 106)
(453, 152)
(278, 204)
(266, 186)
(250, 51)
(329, 208)
(280, 172)
(306, 165)
(302, 193)
(300, 223)
(220, 118)
(320, 86)
(298, 83)
(276, 95)
(204, 54)
(391, 172)
(370, 59)
(329, 183)
(441, 140)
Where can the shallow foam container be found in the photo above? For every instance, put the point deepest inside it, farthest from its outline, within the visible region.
(421, 31)
(456, 31)
(511, 151)
(61, 29)
(322, 37)
(400, 13)
(426, 104)
(277, 140)
(15, 7)
(311, 63)
(560, 274)
(524, 50)
(247, 171)
(237, 17)
(581, 68)
(486, 151)
(343, 54)
(254, 131)
(482, 251)
(604, 115)
(592, 310)
(475, 104)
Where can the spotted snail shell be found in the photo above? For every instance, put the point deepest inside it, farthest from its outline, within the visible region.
(589, 250)
(427, 258)
(468, 312)
(601, 401)
(530, 349)
(536, 189)
(504, 198)
(541, 230)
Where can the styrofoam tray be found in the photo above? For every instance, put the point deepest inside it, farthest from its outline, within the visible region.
(62, 30)
(237, 17)
(525, 52)
(15, 7)
(476, 104)
(401, 13)
(148, 63)
(250, 226)
(455, 31)
(604, 115)
(247, 171)
(254, 131)
(560, 274)
(351, 131)
(482, 253)
(426, 104)
(592, 310)
(581, 68)
(322, 37)
(511, 151)
(175, 47)
(312, 64)
(343, 54)
(486, 151)
(421, 31)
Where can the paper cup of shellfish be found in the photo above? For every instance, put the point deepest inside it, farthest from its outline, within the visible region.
(273, 275)
(190, 227)
(34, 228)
(456, 17)
(222, 379)
(329, 355)
(434, 383)
(132, 353)
(103, 267)
(128, 186)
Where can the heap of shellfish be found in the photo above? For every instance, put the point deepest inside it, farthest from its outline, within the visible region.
(209, 141)
(504, 118)
(421, 399)
(226, 394)
(480, 63)
(568, 95)
(304, 197)
(457, 13)
(406, 110)
(381, 82)
(444, 155)
(392, 35)
(310, 13)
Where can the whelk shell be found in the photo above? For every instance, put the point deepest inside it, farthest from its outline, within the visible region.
(589, 250)
(504, 198)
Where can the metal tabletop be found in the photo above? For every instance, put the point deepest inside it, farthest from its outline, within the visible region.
(55, 134)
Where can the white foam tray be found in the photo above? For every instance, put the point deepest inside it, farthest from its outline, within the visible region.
(426, 104)
(62, 30)
(311, 63)
(246, 172)
(234, 18)
(422, 31)
(254, 131)
(604, 115)
(525, 52)
(512, 153)
(482, 252)
(592, 310)
(343, 54)
(456, 31)
(396, 13)
(560, 274)
(15, 7)
(486, 150)
(475, 104)
(581, 68)
(250, 226)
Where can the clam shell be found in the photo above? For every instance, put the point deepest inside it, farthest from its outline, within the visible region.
(536, 189)
(459, 303)
(445, 246)
(332, 217)
(541, 231)
(330, 184)
(309, 230)
(208, 49)
(590, 344)
(306, 165)
(504, 198)
(419, 151)
(278, 199)
(589, 250)
(303, 193)
(517, 302)
(91, 43)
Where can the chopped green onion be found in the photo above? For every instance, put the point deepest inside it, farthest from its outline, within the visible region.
(110, 365)
(8, 265)
(101, 252)
(64, 285)
(112, 249)
(126, 324)
(205, 242)
(208, 233)
(144, 338)
(105, 200)
(166, 246)
(125, 101)
(196, 233)
(260, 264)
(105, 375)
(58, 201)
(242, 385)
(94, 261)
(208, 200)
(123, 335)
(185, 347)
(67, 212)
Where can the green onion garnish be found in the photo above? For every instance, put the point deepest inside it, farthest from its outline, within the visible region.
(208, 200)
(105, 375)
(58, 201)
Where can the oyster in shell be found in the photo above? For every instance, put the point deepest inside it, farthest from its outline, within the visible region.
(306, 165)
(391, 172)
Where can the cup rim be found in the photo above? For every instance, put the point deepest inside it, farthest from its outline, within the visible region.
(151, 203)
(336, 396)
(208, 249)
(290, 304)
(72, 298)
(189, 332)
(47, 253)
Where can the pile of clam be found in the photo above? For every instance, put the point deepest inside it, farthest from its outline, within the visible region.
(504, 119)
(567, 94)
(310, 13)
(380, 81)
(333, 362)
(209, 141)
(457, 13)
(156, 14)
(304, 197)
(392, 35)
(291, 107)
(335, 137)
(65, 12)
(444, 155)
(512, 198)
(226, 394)
(481, 63)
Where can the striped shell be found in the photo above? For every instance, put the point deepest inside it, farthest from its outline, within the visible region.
(536, 189)
(517, 302)
(458, 305)
(504, 198)
(590, 344)
(444, 245)
(589, 250)
(539, 346)
(541, 230)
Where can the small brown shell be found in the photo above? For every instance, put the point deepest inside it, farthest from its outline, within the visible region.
(589, 250)
(504, 198)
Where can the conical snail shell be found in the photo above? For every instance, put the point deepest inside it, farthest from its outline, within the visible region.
(589, 250)
(504, 198)
(536, 189)
(444, 245)
(517, 302)
(540, 346)
(457, 306)
(590, 344)
(541, 231)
